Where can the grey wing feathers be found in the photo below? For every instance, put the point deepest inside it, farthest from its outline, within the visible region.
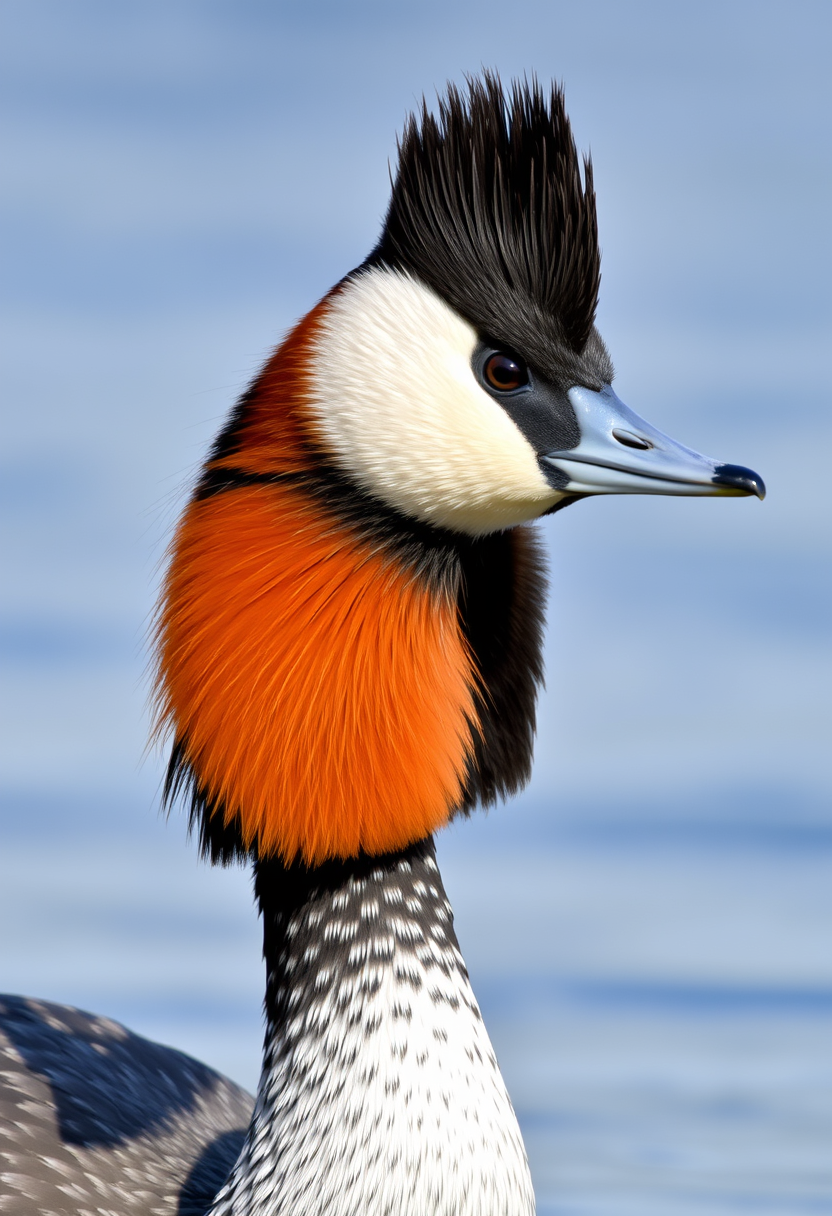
(95, 1120)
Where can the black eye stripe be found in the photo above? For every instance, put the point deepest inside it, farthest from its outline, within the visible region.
(540, 409)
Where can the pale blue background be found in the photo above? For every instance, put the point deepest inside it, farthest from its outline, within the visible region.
(650, 926)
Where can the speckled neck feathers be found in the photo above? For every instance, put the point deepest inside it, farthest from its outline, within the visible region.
(380, 1090)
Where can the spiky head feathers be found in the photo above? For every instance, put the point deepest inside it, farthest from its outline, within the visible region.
(490, 208)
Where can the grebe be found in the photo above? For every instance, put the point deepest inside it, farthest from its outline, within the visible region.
(349, 652)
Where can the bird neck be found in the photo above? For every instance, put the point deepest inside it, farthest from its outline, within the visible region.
(380, 1091)
(336, 677)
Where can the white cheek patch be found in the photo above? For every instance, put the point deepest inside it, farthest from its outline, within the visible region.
(395, 401)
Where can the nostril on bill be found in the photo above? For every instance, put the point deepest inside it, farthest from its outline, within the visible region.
(630, 440)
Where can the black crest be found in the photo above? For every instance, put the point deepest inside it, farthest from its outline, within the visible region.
(491, 209)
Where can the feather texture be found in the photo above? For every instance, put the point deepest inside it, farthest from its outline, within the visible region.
(490, 208)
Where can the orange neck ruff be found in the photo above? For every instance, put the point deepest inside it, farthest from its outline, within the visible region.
(322, 693)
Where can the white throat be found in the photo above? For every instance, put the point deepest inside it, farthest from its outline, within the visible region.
(380, 1093)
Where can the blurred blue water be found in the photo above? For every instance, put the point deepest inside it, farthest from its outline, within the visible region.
(659, 993)
(649, 926)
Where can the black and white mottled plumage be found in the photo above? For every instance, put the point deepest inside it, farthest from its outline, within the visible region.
(96, 1120)
(380, 1090)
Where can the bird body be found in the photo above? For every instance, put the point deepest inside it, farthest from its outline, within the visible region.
(349, 648)
(95, 1119)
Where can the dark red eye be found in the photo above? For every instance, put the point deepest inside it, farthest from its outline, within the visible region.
(504, 373)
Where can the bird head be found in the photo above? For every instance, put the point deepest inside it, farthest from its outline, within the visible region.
(349, 634)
